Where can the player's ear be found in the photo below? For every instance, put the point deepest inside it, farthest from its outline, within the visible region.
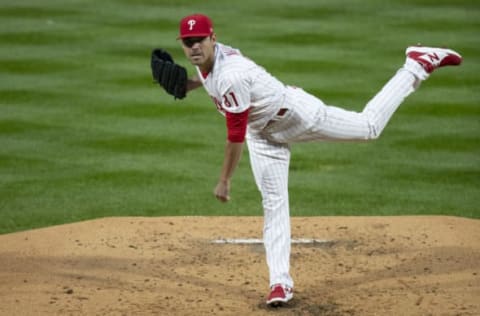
(213, 37)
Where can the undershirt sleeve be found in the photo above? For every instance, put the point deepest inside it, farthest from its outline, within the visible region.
(237, 126)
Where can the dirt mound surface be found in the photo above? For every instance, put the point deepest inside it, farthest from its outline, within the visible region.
(169, 266)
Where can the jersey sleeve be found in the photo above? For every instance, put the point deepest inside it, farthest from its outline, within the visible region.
(235, 89)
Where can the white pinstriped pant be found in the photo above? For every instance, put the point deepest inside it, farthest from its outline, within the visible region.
(309, 119)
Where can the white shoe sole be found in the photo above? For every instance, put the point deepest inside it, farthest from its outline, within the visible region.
(276, 302)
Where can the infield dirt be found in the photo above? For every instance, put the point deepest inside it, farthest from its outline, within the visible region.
(169, 266)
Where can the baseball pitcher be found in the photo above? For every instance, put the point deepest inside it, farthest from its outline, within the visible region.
(270, 116)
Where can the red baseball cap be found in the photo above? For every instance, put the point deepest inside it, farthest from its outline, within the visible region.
(195, 25)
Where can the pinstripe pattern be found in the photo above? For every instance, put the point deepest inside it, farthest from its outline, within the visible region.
(309, 119)
(270, 163)
(381, 108)
(254, 88)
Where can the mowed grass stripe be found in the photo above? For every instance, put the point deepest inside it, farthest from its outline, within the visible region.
(84, 132)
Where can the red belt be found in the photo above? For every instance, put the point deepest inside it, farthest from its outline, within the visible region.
(281, 112)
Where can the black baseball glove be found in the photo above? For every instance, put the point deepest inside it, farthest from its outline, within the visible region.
(172, 77)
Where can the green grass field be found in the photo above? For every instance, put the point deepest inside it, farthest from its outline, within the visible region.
(84, 132)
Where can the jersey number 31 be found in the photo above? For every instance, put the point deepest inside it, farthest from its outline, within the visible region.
(230, 100)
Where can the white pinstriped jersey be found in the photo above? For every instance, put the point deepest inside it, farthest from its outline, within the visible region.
(236, 84)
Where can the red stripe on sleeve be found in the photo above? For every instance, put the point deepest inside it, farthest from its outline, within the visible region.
(237, 126)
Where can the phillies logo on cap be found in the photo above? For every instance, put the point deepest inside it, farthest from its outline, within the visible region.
(195, 25)
(191, 23)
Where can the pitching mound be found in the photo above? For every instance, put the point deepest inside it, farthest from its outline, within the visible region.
(169, 266)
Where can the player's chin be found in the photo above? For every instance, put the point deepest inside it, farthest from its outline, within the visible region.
(196, 59)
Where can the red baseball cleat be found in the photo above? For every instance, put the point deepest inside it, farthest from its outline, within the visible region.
(279, 295)
(432, 58)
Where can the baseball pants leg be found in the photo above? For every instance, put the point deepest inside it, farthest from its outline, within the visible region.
(338, 124)
(309, 119)
(270, 164)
